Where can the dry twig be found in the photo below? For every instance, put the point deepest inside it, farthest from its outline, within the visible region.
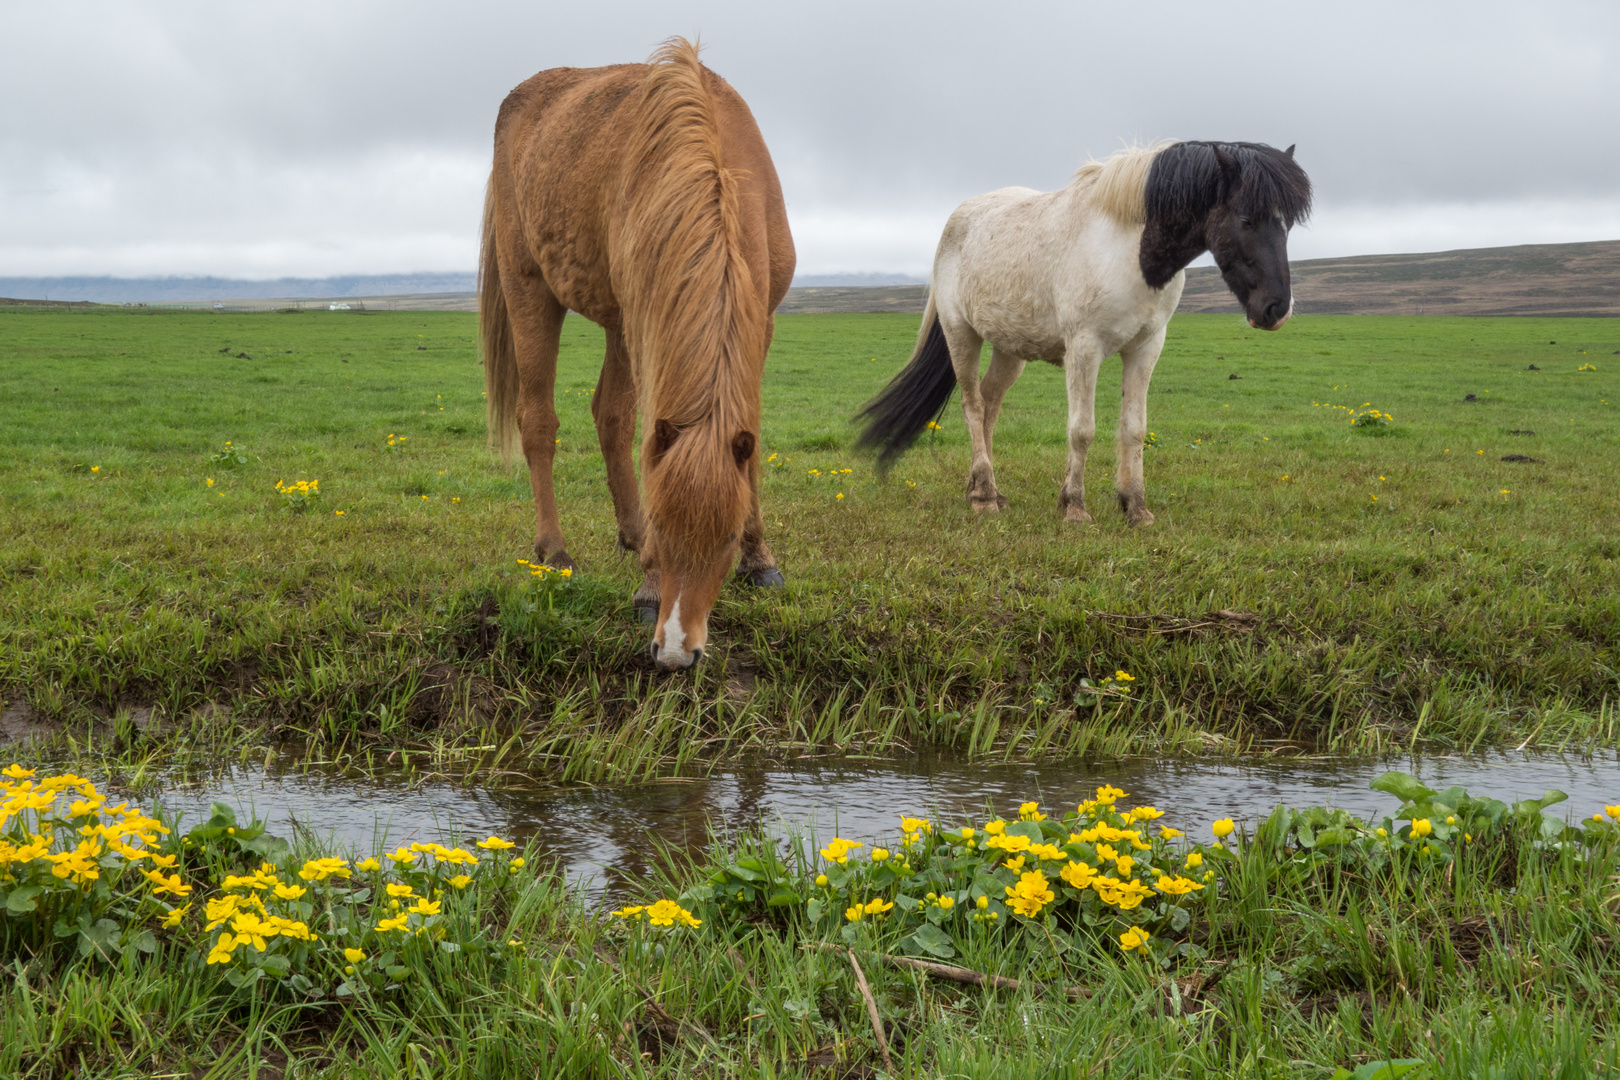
(871, 1011)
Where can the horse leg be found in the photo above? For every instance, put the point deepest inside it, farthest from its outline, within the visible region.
(756, 565)
(1003, 371)
(537, 319)
(965, 345)
(1138, 359)
(1080, 363)
(613, 408)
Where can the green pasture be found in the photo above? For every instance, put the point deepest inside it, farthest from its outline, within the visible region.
(1306, 585)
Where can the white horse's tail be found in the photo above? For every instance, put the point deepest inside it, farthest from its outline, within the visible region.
(914, 397)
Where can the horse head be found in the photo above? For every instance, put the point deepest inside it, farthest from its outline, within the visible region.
(1237, 201)
(698, 487)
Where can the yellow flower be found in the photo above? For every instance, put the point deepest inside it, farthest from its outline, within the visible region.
(425, 906)
(290, 892)
(1612, 811)
(1015, 865)
(354, 956)
(821, 881)
(172, 919)
(1108, 794)
(1176, 886)
(368, 865)
(878, 906)
(1030, 894)
(461, 881)
(880, 854)
(1223, 827)
(1383, 832)
(837, 851)
(516, 864)
(1078, 874)
(321, 869)
(968, 832)
(668, 913)
(854, 912)
(1168, 833)
(1135, 940)
(399, 889)
(1030, 812)
(1126, 864)
(981, 902)
(171, 884)
(396, 923)
(947, 902)
(1194, 860)
(17, 772)
(1049, 852)
(1124, 676)
(1422, 827)
(630, 912)
(995, 828)
(403, 856)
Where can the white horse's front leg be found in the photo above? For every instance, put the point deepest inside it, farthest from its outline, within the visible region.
(1138, 359)
(1080, 363)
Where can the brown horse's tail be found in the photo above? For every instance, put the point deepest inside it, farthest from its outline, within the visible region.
(495, 334)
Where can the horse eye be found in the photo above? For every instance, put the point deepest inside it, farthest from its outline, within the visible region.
(1245, 223)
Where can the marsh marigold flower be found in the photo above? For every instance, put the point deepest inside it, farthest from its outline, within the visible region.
(1422, 827)
(1030, 894)
(495, 843)
(837, 851)
(1135, 940)
(1223, 828)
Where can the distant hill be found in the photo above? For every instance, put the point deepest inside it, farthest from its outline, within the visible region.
(159, 290)
(1533, 279)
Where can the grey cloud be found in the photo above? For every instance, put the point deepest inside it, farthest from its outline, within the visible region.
(304, 138)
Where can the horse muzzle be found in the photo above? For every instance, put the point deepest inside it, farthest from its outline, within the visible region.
(1270, 319)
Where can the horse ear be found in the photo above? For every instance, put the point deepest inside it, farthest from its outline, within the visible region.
(1231, 168)
(1290, 151)
(742, 447)
(664, 435)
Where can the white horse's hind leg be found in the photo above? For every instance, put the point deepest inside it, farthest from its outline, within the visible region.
(1138, 359)
(965, 345)
(1081, 359)
(1003, 371)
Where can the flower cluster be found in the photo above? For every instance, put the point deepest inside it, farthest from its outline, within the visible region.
(661, 913)
(228, 456)
(395, 444)
(299, 494)
(115, 879)
(1369, 419)
(1092, 694)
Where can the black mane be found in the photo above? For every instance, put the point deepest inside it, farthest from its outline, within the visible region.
(1185, 182)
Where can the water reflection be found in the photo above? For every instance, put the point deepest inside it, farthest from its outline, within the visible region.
(603, 834)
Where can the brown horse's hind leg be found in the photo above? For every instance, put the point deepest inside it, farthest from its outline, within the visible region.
(756, 565)
(537, 319)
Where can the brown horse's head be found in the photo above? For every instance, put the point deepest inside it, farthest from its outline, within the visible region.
(698, 497)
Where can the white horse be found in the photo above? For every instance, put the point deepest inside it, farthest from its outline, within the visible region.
(1075, 275)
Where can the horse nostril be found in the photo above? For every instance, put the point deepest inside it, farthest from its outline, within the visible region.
(652, 650)
(697, 654)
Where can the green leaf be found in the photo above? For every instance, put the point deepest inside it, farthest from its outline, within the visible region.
(145, 941)
(738, 870)
(21, 901)
(1388, 1070)
(1403, 786)
(449, 946)
(397, 972)
(782, 897)
(1179, 918)
(813, 909)
(1030, 829)
(930, 939)
(278, 964)
(1531, 807)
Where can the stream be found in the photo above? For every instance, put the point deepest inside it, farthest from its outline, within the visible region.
(605, 837)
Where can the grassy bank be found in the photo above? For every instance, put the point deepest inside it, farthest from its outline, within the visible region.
(1463, 937)
(1306, 582)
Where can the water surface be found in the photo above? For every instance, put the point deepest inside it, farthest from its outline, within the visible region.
(600, 835)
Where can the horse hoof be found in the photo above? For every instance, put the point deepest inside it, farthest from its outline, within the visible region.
(648, 615)
(988, 506)
(1138, 518)
(1075, 515)
(768, 577)
(560, 561)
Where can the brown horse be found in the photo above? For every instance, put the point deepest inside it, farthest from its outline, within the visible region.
(641, 196)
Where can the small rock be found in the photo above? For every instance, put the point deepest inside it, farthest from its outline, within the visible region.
(421, 348)
(226, 349)
(345, 361)
(243, 356)
(1234, 375)
(1552, 342)
(1532, 367)
(1521, 431)
(1526, 458)
(1470, 397)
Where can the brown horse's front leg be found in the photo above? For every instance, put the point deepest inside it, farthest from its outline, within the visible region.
(613, 407)
(755, 564)
(537, 319)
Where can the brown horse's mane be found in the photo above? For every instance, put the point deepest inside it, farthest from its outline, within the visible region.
(694, 318)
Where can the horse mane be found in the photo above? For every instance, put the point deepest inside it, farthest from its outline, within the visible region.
(1186, 182)
(1175, 180)
(694, 320)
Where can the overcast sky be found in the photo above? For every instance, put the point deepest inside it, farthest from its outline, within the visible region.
(250, 140)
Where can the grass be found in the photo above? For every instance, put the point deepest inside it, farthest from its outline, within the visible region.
(1496, 960)
(1305, 584)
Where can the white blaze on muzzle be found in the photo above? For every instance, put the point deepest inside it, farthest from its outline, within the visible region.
(672, 654)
